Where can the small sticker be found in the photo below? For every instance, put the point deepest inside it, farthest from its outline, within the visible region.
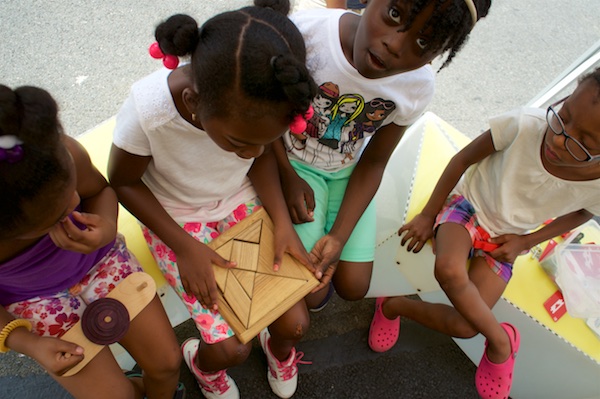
(555, 306)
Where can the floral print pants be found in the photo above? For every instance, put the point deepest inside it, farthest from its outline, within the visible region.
(54, 315)
(211, 325)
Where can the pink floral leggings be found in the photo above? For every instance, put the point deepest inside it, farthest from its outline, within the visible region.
(211, 325)
(54, 315)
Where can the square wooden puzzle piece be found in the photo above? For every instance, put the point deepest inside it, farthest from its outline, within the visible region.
(253, 295)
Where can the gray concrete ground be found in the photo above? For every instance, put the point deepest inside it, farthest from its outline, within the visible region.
(87, 54)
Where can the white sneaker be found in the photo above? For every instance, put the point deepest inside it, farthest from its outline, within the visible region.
(282, 376)
(213, 385)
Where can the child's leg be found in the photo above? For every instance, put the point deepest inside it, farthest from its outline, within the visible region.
(101, 378)
(352, 277)
(288, 330)
(473, 293)
(152, 343)
(278, 343)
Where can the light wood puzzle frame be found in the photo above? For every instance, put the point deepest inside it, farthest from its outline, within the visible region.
(252, 295)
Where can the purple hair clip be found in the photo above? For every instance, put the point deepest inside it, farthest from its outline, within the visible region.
(11, 149)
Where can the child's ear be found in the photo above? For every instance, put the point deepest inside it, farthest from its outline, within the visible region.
(190, 100)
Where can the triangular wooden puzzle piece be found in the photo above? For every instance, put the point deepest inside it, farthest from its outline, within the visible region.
(246, 280)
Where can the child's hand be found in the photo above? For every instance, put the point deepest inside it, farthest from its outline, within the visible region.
(55, 355)
(288, 241)
(300, 199)
(97, 233)
(511, 246)
(418, 231)
(325, 255)
(197, 276)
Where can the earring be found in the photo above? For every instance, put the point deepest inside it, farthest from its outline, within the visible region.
(194, 117)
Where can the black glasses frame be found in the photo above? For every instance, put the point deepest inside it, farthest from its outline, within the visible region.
(552, 112)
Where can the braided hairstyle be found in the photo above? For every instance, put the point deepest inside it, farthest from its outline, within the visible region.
(451, 23)
(31, 115)
(255, 52)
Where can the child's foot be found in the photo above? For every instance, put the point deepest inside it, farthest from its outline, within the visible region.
(282, 375)
(494, 380)
(383, 333)
(325, 300)
(212, 385)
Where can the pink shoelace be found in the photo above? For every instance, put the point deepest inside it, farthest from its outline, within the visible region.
(220, 384)
(287, 371)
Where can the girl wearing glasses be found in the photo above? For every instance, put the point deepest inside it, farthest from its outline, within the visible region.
(531, 165)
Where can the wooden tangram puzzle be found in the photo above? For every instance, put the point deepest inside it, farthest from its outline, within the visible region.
(252, 295)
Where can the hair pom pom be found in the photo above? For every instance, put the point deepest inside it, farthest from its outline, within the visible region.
(309, 112)
(298, 125)
(155, 51)
(170, 61)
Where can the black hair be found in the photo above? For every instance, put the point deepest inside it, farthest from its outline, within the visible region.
(451, 23)
(30, 115)
(595, 76)
(256, 52)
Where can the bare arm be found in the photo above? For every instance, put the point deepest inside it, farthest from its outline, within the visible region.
(335, 3)
(420, 229)
(361, 189)
(98, 204)
(53, 354)
(511, 245)
(264, 176)
(194, 259)
(299, 196)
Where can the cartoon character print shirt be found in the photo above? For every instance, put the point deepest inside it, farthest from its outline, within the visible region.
(349, 108)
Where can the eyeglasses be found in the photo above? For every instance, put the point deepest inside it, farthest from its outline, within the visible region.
(574, 147)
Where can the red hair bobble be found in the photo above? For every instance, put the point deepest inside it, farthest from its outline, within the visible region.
(169, 61)
(298, 125)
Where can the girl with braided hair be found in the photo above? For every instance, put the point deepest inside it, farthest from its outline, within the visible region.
(190, 154)
(383, 56)
(60, 252)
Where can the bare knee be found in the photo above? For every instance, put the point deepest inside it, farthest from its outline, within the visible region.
(462, 329)
(352, 280)
(292, 325)
(449, 274)
(168, 365)
(235, 352)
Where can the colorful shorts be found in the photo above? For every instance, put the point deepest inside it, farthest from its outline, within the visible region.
(458, 210)
(213, 328)
(54, 315)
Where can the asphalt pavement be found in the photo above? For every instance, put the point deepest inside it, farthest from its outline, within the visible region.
(87, 54)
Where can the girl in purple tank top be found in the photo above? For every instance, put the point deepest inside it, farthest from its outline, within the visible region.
(60, 251)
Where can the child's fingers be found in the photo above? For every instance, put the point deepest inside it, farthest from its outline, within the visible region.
(67, 357)
(73, 232)
(309, 198)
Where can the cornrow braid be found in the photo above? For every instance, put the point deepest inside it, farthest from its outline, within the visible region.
(451, 22)
(256, 52)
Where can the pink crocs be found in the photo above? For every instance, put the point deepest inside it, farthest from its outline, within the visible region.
(494, 380)
(384, 332)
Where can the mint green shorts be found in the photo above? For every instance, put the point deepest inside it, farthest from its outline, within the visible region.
(329, 189)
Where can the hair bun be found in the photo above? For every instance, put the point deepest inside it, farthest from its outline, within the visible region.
(178, 35)
(281, 6)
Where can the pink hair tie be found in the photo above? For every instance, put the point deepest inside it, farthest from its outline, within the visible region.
(298, 125)
(169, 61)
